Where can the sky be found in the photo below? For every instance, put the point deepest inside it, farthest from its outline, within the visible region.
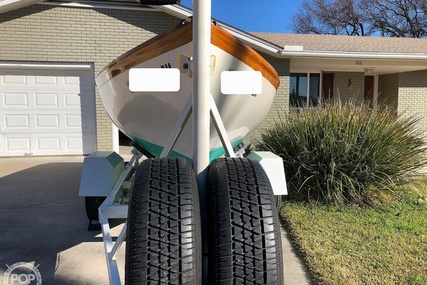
(254, 16)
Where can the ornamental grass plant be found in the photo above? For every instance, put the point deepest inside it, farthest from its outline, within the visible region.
(345, 153)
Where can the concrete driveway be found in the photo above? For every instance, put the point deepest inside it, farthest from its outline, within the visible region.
(43, 222)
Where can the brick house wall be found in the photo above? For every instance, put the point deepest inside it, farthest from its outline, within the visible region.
(45, 33)
(343, 91)
(388, 92)
(281, 101)
(413, 96)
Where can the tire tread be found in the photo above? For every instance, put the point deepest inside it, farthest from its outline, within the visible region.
(245, 247)
(163, 244)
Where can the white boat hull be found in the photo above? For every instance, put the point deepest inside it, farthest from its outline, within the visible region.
(149, 118)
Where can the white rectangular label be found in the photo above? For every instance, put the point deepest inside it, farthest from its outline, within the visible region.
(154, 80)
(241, 82)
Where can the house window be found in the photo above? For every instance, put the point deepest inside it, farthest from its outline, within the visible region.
(304, 90)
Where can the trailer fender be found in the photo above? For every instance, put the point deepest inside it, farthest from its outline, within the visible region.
(100, 172)
(273, 167)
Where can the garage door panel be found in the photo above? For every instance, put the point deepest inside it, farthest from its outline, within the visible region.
(14, 80)
(18, 145)
(20, 122)
(48, 144)
(47, 121)
(78, 79)
(15, 99)
(46, 100)
(72, 100)
(74, 80)
(46, 80)
(46, 112)
(74, 144)
(73, 121)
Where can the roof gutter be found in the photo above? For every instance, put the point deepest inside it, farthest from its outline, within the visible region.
(9, 5)
(178, 11)
(101, 5)
(258, 43)
(351, 55)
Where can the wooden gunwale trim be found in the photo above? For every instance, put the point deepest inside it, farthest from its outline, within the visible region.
(167, 41)
(181, 35)
(243, 52)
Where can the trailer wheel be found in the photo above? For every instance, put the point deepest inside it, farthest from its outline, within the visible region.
(244, 245)
(91, 205)
(164, 235)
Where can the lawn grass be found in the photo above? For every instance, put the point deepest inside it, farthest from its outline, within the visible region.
(348, 245)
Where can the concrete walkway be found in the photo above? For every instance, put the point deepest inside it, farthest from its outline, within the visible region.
(43, 222)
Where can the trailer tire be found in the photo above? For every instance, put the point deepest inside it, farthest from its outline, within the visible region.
(244, 244)
(91, 205)
(164, 230)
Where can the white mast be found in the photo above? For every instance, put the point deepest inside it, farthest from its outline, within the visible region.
(201, 87)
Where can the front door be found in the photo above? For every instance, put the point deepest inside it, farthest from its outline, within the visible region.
(327, 87)
(369, 91)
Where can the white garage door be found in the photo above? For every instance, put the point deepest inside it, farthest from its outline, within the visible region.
(46, 112)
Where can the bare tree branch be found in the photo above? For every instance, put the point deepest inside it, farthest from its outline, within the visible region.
(392, 18)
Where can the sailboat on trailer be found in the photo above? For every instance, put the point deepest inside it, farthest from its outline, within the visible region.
(150, 117)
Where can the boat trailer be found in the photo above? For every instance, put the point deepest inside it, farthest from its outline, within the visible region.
(221, 217)
(107, 182)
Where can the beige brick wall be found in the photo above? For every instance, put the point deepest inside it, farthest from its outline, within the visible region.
(413, 96)
(343, 91)
(78, 35)
(388, 90)
(281, 100)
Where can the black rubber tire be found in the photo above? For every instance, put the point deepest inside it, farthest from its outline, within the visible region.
(245, 243)
(164, 229)
(91, 205)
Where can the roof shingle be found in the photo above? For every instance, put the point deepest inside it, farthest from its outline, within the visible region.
(337, 43)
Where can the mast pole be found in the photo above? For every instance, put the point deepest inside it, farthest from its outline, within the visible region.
(201, 87)
(201, 111)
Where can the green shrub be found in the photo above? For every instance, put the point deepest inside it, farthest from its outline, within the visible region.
(337, 154)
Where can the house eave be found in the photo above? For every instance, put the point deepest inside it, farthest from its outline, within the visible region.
(10, 5)
(351, 55)
(100, 5)
(280, 52)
